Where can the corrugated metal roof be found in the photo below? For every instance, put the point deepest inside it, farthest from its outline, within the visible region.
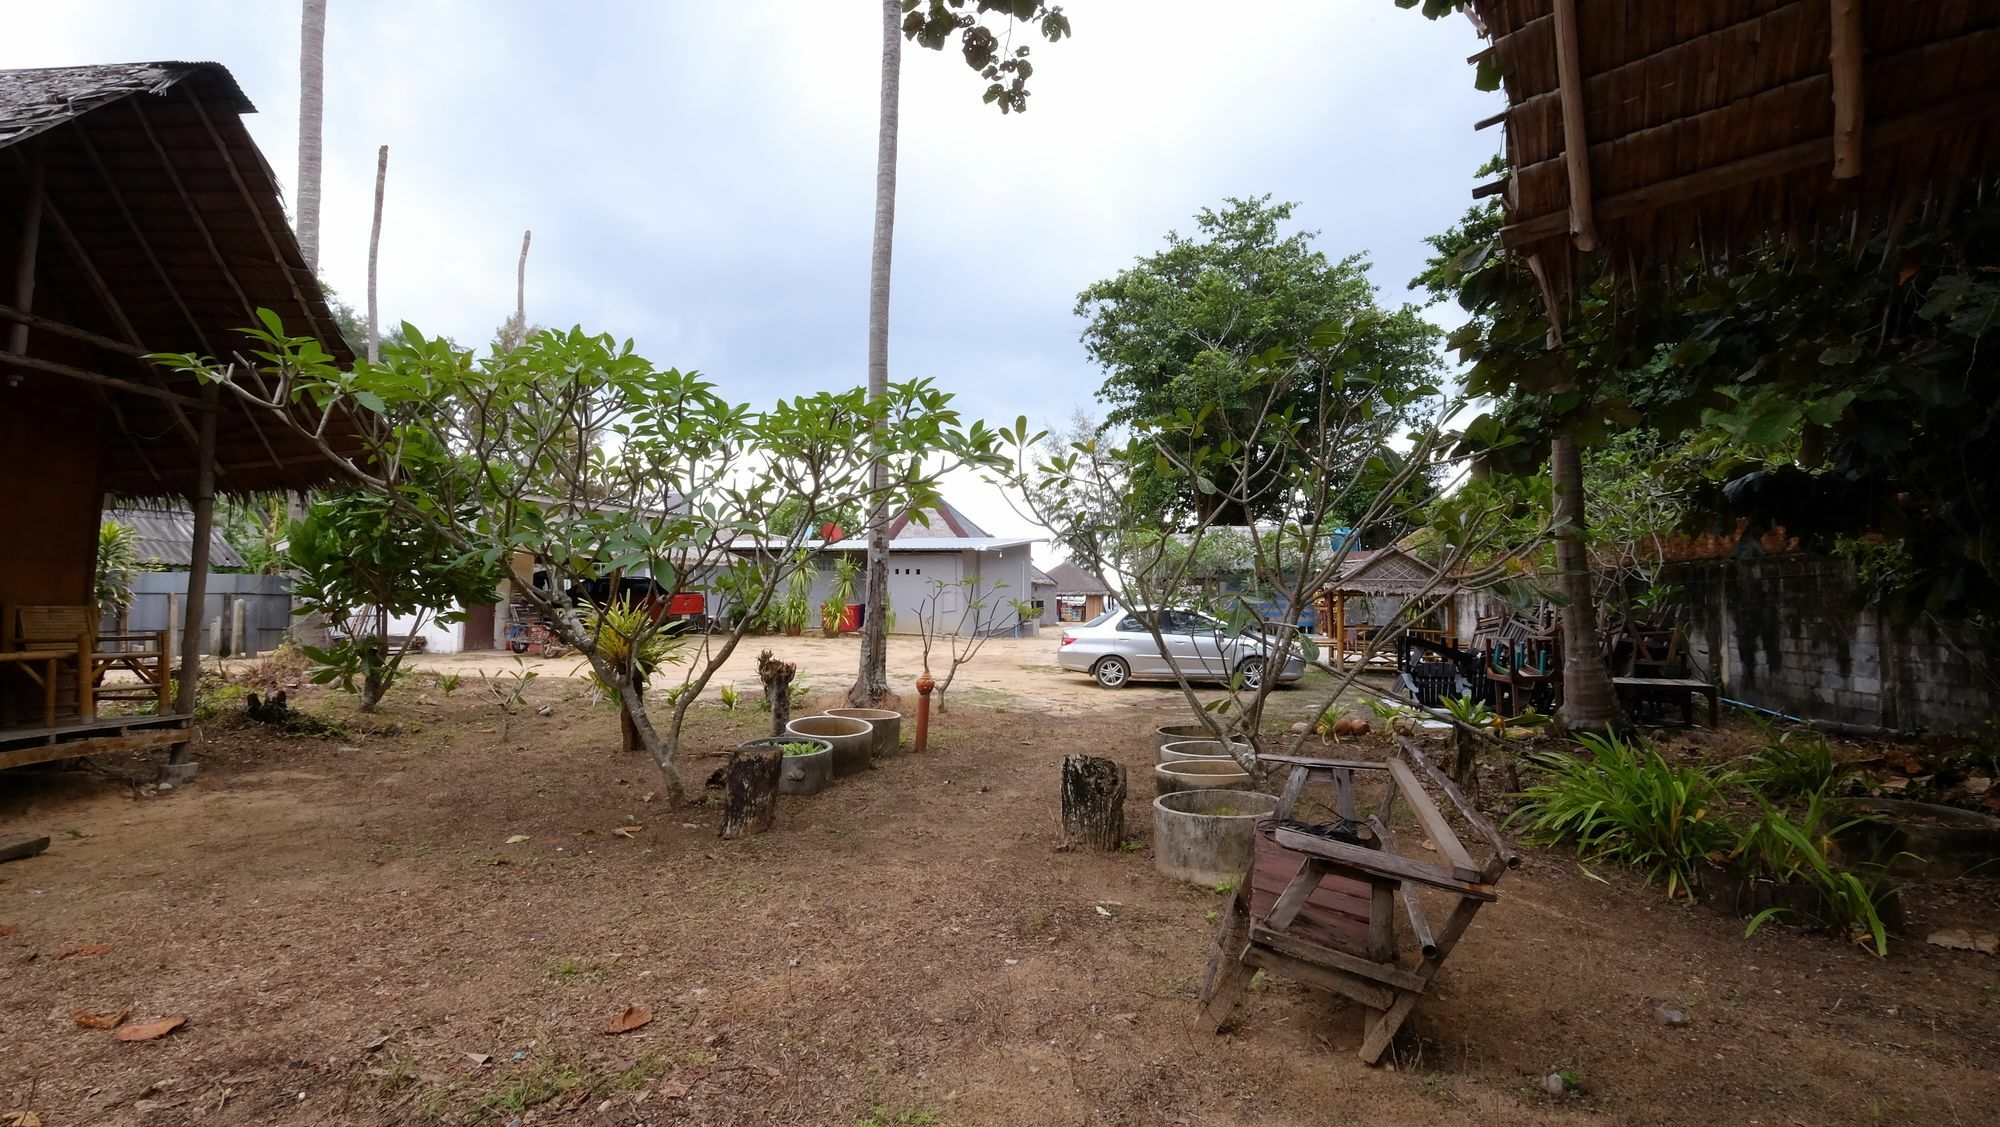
(166, 537)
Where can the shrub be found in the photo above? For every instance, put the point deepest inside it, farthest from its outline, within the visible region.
(1796, 852)
(612, 630)
(1796, 764)
(730, 698)
(1623, 802)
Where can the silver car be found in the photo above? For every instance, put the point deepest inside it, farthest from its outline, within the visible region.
(1116, 649)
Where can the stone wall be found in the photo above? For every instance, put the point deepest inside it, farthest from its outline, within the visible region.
(1788, 633)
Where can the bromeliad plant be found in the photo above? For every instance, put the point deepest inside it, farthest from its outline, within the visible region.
(593, 462)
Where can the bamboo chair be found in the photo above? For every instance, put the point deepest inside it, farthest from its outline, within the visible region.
(73, 628)
(1323, 912)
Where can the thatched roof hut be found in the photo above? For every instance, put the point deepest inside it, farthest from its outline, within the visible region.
(1709, 124)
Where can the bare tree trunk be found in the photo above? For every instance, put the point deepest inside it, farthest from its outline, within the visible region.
(777, 677)
(872, 685)
(312, 111)
(1093, 802)
(1589, 702)
(374, 246)
(750, 790)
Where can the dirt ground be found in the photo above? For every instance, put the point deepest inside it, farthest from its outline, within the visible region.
(1005, 671)
(421, 923)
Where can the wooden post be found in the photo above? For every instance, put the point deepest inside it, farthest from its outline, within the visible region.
(1576, 142)
(750, 790)
(204, 524)
(24, 264)
(374, 245)
(1844, 60)
(236, 639)
(1093, 802)
(171, 642)
(1340, 631)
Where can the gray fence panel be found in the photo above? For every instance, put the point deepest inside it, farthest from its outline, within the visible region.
(266, 599)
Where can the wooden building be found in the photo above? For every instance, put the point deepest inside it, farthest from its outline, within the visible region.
(1386, 590)
(136, 217)
(1649, 132)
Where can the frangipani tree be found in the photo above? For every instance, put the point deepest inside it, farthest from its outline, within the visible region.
(1343, 429)
(583, 456)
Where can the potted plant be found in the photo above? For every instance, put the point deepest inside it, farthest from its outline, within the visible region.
(808, 764)
(837, 596)
(1028, 620)
(790, 611)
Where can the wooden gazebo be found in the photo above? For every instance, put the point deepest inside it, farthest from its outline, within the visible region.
(1386, 573)
(140, 218)
(1649, 131)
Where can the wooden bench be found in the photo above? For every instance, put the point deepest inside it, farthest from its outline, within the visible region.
(71, 630)
(1323, 912)
(1671, 690)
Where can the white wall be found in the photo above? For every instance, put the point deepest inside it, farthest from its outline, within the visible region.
(437, 639)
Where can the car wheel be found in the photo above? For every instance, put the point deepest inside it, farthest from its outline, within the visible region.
(1112, 673)
(1252, 673)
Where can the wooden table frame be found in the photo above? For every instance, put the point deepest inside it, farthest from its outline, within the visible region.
(1332, 924)
(50, 658)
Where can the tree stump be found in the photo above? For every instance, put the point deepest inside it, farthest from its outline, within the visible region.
(1093, 802)
(750, 790)
(777, 677)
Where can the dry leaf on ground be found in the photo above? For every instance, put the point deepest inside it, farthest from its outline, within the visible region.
(517, 839)
(149, 1030)
(627, 831)
(633, 1017)
(21, 1119)
(11, 929)
(88, 1020)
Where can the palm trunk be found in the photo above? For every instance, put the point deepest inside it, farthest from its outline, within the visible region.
(1589, 702)
(873, 683)
(374, 246)
(312, 110)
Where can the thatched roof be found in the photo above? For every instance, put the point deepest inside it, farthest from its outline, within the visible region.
(1389, 573)
(1073, 580)
(1712, 123)
(162, 230)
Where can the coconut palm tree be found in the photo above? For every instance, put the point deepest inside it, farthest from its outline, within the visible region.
(931, 23)
(873, 683)
(312, 110)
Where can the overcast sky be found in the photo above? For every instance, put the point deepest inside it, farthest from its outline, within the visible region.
(700, 177)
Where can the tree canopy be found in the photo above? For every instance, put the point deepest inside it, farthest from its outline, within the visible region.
(1183, 329)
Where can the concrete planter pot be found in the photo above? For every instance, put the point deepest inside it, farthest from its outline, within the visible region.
(852, 740)
(1199, 774)
(1196, 749)
(1207, 836)
(801, 774)
(888, 728)
(1174, 733)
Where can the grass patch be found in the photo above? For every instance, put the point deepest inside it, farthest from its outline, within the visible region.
(569, 969)
(539, 1085)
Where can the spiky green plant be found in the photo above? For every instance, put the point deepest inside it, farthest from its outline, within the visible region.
(1622, 802)
(730, 698)
(615, 628)
(117, 564)
(1797, 763)
(1775, 846)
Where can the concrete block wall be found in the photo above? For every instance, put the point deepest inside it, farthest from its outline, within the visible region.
(1789, 633)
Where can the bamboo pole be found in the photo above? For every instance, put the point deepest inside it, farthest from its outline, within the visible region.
(1576, 145)
(1844, 59)
(204, 523)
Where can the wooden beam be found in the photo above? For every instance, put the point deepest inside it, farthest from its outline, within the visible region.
(37, 364)
(27, 250)
(256, 212)
(1325, 978)
(193, 212)
(1490, 188)
(1486, 123)
(112, 306)
(1776, 162)
(1504, 854)
(1844, 59)
(1377, 863)
(1576, 144)
(197, 587)
(1389, 974)
(1433, 823)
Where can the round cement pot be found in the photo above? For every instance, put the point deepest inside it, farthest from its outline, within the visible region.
(888, 727)
(1173, 733)
(1195, 749)
(851, 739)
(1199, 774)
(801, 774)
(1207, 836)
